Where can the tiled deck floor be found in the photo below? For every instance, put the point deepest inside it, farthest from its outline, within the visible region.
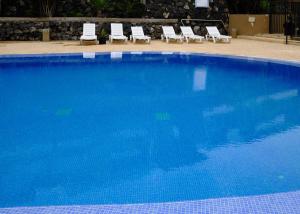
(282, 203)
(238, 47)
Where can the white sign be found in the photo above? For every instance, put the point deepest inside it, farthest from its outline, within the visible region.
(202, 3)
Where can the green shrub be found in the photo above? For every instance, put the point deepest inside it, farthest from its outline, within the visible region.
(99, 6)
(126, 8)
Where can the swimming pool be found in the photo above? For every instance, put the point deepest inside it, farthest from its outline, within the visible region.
(118, 128)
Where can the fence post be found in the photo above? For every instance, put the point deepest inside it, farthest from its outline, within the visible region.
(270, 17)
(285, 21)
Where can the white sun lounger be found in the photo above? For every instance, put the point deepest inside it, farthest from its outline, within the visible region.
(188, 34)
(169, 34)
(89, 33)
(138, 34)
(214, 34)
(117, 33)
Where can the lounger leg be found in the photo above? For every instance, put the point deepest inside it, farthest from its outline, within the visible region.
(167, 40)
(214, 39)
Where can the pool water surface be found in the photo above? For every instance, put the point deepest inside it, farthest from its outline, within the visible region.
(119, 128)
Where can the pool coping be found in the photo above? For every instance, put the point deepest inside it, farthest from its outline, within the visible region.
(227, 56)
(285, 203)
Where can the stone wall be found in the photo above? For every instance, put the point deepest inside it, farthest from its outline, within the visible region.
(21, 30)
(71, 28)
(30, 29)
(157, 13)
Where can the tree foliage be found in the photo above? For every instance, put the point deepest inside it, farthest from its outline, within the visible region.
(100, 4)
(248, 6)
(42, 8)
(109, 8)
(47, 7)
(120, 8)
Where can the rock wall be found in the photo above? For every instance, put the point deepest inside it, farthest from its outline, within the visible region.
(71, 28)
(158, 12)
(21, 30)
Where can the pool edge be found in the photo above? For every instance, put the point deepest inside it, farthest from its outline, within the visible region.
(228, 56)
(288, 203)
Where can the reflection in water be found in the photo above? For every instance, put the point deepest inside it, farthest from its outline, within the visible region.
(199, 80)
(136, 52)
(167, 53)
(96, 131)
(280, 119)
(89, 55)
(285, 95)
(116, 55)
(223, 109)
(278, 96)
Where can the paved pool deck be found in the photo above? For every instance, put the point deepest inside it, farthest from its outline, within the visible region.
(238, 47)
(281, 203)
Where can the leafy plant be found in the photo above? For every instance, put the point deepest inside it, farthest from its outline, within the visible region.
(126, 8)
(47, 7)
(74, 14)
(103, 33)
(135, 9)
(248, 6)
(265, 5)
(100, 5)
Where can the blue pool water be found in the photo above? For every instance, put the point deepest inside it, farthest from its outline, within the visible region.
(151, 127)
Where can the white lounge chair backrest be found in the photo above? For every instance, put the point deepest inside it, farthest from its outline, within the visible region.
(89, 29)
(213, 30)
(187, 31)
(137, 31)
(168, 30)
(117, 29)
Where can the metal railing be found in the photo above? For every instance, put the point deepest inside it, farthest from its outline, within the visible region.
(285, 17)
(183, 21)
(203, 20)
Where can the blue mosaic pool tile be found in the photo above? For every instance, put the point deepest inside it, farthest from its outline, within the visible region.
(282, 203)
